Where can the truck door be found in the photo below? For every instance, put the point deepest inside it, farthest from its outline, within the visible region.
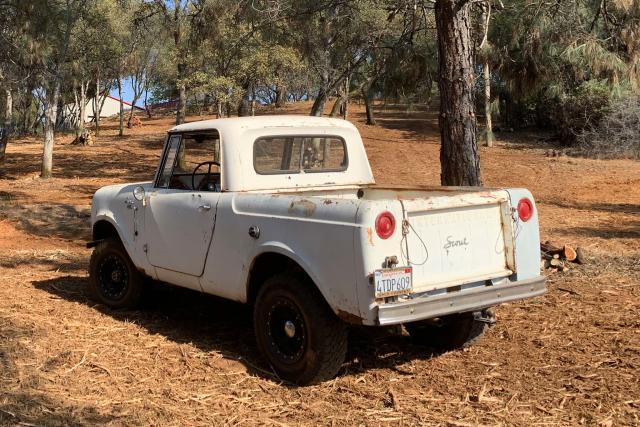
(181, 211)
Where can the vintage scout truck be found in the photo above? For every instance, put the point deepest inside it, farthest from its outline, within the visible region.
(282, 212)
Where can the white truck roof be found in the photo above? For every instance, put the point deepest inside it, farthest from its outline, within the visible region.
(238, 134)
(263, 122)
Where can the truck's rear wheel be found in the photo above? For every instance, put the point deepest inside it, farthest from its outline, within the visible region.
(450, 332)
(113, 279)
(297, 332)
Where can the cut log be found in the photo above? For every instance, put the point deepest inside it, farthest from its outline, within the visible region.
(550, 247)
(580, 256)
(556, 256)
(569, 253)
(556, 262)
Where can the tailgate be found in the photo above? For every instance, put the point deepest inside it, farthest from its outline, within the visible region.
(458, 238)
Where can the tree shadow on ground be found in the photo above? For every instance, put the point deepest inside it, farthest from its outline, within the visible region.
(614, 229)
(417, 125)
(629, 231)
(55, 220)
(601, 207)
(53, 259)
(214, 324)
(21, 403)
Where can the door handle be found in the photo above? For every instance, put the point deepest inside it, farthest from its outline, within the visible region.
(206, 207)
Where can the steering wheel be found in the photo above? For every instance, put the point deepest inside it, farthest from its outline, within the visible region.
(193, 175)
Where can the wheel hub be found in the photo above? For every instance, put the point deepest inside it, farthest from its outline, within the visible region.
(113, 278)
(116, 276)
(286, 330)
(289, 328)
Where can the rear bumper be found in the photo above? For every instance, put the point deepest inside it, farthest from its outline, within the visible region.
(431, 306)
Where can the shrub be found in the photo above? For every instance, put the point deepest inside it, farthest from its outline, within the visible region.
(617, 134)
(581, 109)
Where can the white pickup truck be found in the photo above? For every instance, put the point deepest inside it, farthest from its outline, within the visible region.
(282, 212)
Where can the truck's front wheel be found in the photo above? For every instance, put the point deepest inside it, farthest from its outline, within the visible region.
(297, 332)
(451, 332)
(113, 279)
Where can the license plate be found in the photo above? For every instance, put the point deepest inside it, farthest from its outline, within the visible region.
(393, 281)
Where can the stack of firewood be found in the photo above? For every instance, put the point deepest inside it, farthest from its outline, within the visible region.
(557, 258)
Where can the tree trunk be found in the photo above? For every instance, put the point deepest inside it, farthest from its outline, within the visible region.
(96, 102)
(318, 105)
(121, 114)
(8, 119)
(337, 106)
(367, 105)
(253, 100)
(146, 102)
(489, 138)
(136, 97)
(281, 96)
(345, 105)
(182, 97)
(459, 159)
(26, 118)
(84, 86)
(50, 112)
(181, 66)
(243, 107)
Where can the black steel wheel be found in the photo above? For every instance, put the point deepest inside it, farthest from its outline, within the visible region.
(113, 279)
(286, 329)
(296, 331)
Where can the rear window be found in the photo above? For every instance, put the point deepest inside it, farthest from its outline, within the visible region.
(293, 154)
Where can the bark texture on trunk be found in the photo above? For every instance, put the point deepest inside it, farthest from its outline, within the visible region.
(318, 105)
(337, 106)
(50, 113)
(84, 86)
(345, 105)
(243, 106)
(8, 119)
(281, 96)
(459, 159)
(121, 128)
(368, 107)
(96, 105)
(181, 113)
(489, 138)
(181, 66)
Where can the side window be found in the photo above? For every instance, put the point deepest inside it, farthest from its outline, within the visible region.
(192, 163)
(292, 154)
(169, 160)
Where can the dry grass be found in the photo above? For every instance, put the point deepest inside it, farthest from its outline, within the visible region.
(570, 357)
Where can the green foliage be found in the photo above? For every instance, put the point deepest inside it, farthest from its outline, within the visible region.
(564, 61)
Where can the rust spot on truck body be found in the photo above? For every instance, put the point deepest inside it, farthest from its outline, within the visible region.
(349, 317)
(370, 235)
(304, 206)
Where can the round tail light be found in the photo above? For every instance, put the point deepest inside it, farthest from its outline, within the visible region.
(525, 209)
(385, 225)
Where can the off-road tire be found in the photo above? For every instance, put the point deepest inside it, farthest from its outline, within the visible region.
(112, 256)
(318, 347)
(449, 332)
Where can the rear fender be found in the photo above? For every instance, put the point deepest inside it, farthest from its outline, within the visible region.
(340, 307)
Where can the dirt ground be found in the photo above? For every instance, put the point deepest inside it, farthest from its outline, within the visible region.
(570, 357)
